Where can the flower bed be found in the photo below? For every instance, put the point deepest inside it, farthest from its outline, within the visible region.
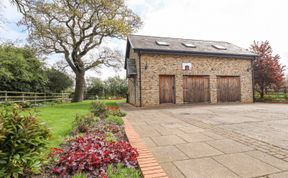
(93, 154)
(98, 147)
(112, 108)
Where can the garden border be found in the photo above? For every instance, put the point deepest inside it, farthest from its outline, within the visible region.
(149, 166)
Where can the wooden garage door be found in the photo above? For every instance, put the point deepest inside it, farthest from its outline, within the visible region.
(196, 89)
(228, 89)
(166, 88)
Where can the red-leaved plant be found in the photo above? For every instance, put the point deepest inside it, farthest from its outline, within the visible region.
(112, 108)
(92, 155)
(112, 128)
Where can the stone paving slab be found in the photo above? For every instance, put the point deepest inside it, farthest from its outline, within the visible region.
(195, 137)
(172, 170)
(168, 140)
(191, 129)
(197, 150)
(278, 163)
(146, 131)
(168, 131)
(173, 124)
(213, 135)
(244, 165)
(204, 168)
(277, 134)
(229, 146)
(279, 175)
(168, 154)
(149, 142)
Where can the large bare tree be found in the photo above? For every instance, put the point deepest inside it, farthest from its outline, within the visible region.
(76, 29)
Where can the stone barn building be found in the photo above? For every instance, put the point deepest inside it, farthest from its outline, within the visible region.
(178, 71)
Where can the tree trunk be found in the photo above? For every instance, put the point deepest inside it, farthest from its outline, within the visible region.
(261, 92)
(80, 87)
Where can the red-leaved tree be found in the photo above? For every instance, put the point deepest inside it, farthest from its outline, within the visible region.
(268, 72)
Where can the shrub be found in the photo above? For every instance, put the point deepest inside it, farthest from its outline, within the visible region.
(112, 128)
(79, 175)
(23, 143)
(92, 155)
(83, 122)
(98, 108)
(110, 137)
(59, 101)
(25, 104)
(36, 105)
(115, 120)
(116, 113)
(6, 103)
(2, 134)
(121, 172)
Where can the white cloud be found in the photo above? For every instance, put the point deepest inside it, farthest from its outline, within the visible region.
(9, 31)
(9, 11)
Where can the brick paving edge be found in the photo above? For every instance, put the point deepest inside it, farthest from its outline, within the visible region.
(148, 164)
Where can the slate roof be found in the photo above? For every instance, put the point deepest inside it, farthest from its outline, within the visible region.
(203, 47)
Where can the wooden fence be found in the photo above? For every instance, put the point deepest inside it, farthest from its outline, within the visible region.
(275, 95)
(20, 97)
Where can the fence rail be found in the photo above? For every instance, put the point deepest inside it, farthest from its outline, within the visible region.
(274, 95)
(20, 97)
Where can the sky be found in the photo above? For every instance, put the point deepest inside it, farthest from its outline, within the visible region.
(235, 21)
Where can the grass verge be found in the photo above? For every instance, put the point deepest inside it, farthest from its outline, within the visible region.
(59, 117)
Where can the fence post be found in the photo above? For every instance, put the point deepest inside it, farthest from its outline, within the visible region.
(285, 93)
(6, 98)
(34, 98)
(44, 97)
(23, 97)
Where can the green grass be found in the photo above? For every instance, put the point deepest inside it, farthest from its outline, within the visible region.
(112, 102)
(59, 117)
(273, 96)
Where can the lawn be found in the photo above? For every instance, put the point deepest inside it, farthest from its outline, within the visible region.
(59, 117)
(273, 97)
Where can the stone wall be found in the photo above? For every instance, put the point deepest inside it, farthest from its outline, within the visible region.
(154, 65)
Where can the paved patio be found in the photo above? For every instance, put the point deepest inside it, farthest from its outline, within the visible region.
(247, 140)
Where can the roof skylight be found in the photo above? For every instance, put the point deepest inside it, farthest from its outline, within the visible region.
(189, 45)
(219, 47)
(162, 43)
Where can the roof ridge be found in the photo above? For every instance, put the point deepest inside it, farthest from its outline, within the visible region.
(177, 38)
